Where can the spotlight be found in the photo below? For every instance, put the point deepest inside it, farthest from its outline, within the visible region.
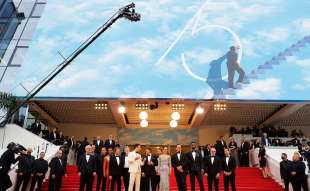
(219, 107)
(178, 106)
(199, 110)
(143, 115)
(144, 123)
(101, 106)
(175, 116)
(173, 123)
(142, 106)
(121, 109)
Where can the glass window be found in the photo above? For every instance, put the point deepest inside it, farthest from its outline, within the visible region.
(38, 9)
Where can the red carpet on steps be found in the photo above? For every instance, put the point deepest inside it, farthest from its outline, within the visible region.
(247, 179)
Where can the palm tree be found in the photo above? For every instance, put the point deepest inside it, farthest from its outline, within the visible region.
(7, 103)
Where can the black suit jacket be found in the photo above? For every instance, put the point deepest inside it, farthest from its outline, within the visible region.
(116, 169)
(299, 167)
(52, 138)
(149, 170)
(57, 167)
(87, 168)
(25, 164)
(245, 147)
(286, 169)
(220, 148)
(213, 169)
(175, 162)
(231, 167)
(107, 144)
(99, 162)
(195, 165)
(98, 147)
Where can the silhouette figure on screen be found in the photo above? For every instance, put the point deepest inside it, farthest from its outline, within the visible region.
(232, 66)
(214, 79)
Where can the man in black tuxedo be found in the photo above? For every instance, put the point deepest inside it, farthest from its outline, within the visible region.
(298, 173)
(125, 170)
(99, 144)
(99, 171)
(87, 169)
(109, 142)
(196, 167)
(36, 127)
(244, 153)
(40, 167)
(57, 171)
(219, 146)
(213, 169)
(150, 162)
(115, 169)
(53, 137)
(24, 170)
(229, 166)
(285, 171)
(179, 163)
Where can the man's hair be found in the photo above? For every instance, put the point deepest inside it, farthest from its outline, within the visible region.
(284, 154)
(137, 145)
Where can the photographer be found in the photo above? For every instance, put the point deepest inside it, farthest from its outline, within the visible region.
(24, 169)
(6, 160)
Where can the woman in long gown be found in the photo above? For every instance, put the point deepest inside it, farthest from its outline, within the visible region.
(164, 169)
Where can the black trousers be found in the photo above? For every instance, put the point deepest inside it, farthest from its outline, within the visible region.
(22, 179)
(150, 181)
(55, 184)
(157, 180)
(300, 183)
(211, 180)
(181, 181)
(197, 175)
(244, 160)
(37, 179)
(286, 184)
(86, 180)
(5, 181)
(101, 180)
(126, 179)
(116, 180)
(230, 180)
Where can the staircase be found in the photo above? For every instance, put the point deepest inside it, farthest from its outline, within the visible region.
(247, 179)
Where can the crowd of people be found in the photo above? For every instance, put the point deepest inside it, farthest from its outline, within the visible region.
(114, 165)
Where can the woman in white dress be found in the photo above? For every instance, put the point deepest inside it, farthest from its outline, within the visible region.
(164, 169)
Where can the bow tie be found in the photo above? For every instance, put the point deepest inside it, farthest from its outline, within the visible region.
(179, 152)
(212, 156)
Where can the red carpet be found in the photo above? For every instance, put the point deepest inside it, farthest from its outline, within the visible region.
(248, 179)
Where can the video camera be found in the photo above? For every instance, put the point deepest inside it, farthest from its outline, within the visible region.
(16, 148)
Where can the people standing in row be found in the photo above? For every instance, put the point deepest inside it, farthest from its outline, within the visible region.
(115, 169)
(40, 167)
(24, 170)
(87, 169)
(213, 169)
(57, 171)
(101, 180)
(179, 163)
(164, 166)
(149, 164)
(135, 163)
(196, 167)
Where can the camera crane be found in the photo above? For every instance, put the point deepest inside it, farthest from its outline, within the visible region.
(127, 12)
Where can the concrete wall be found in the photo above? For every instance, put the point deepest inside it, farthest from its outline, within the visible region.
(88, 130)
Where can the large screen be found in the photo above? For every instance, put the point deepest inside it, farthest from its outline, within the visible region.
(234, 49)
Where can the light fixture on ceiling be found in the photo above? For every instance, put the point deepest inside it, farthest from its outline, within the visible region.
(178, 106)
(219, 107)
(142, 106)
(200, 110)
(144, 123)
(173, 123)
(101, 106)
(175, 115)
(121, 109)
(143, 115)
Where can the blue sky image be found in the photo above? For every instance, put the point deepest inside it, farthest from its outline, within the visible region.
(144, 59)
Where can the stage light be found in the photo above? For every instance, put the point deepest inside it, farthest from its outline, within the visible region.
(178, 106)
(173, 123)
(121, 109)
(219, 107)
(144, 123)
(199, 110)
(175, 116)
(142, 106)
(143, 115)
(101, 106)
